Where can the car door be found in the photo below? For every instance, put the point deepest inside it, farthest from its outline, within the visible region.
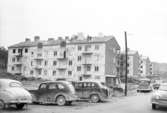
(78, 88)
(51, 93)
(42, 93)
(86, 89)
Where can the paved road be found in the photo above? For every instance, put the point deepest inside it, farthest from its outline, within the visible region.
(139, 103)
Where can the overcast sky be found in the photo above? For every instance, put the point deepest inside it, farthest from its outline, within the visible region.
(144, 20)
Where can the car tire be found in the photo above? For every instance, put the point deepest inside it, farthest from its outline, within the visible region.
(60, 100)
(2, 104)
(20, 106)
(155, 106)
(94, 98)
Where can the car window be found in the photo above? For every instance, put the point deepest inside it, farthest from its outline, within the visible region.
(52, 86)
(60, 86)
(163, 87)
(15, 84)
(43, 86)
(78, 85)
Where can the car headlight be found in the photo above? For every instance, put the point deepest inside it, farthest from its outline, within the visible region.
(157, 97)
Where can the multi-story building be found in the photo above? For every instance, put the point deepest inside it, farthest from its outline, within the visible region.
(72, 59)
(133, 63)
(144, 66)
(3, 59)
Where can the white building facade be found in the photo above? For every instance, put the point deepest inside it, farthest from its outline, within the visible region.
(74, 59)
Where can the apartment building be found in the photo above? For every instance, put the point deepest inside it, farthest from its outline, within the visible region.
(3, 59)
(77, 58)
(133, 63)
(144, 66)
(154, 69)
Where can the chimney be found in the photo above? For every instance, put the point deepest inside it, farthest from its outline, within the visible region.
(36, 38)
(27, 40)
(50, 39)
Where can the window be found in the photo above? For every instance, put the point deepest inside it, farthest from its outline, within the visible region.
(96, 47)
(12, 68)
(88, 68)
(52, 86)
(79, 48)
(60, 86)
(31, 72)
(87, 47)
(31, 63)
(55, 53)
(14, 50)
(54, 73)
(39, 54)
(54, 63)
(45, 72)
(78, 68)
(43, 86)
(46, 63)
(69, 72)
(70, 62)
(13, 59)
(26, 50)
(79, 58)
(19, 50)
(32, 53)
(96, 68)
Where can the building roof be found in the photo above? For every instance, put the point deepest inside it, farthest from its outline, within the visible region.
(57, 42)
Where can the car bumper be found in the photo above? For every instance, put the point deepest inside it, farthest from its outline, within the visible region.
(72, 98)
(159, 102)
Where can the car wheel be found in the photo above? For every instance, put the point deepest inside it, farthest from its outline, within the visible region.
(61, 100)
(154, 106)
(20, 106)
(2, 104)
(94, 98)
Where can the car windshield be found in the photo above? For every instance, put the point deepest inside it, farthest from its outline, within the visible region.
(163, 87)
(15, 84)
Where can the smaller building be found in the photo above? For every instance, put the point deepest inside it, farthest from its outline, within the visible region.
(133, 63)
(144, 66)
(3, 59)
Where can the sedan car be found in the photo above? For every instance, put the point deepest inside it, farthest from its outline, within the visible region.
(159, 97)
(12, 92)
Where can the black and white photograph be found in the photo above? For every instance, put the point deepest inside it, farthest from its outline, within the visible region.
(83, 56)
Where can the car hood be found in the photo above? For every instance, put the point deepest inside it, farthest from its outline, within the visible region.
(18, 92)
(161, 93)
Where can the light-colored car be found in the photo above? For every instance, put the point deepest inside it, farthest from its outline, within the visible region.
(12, 92)
(159, 97)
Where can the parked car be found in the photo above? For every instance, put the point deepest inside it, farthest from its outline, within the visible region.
(92, 90)
(57, 92)
(12, 92)
(159, 97)
(144, 86)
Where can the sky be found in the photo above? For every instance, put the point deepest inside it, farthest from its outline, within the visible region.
(144, 20)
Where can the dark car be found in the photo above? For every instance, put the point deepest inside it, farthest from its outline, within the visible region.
(59, 92)
(92, 90)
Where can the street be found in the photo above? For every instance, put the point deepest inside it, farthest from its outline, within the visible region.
(139, 103)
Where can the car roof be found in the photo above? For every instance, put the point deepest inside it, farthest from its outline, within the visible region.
(56, 81)
(7, 80)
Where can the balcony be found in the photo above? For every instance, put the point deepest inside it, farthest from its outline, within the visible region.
(87, 52)
(37, 66)
(18, 55)
(87, 62)
(38, 57)
(61, 66)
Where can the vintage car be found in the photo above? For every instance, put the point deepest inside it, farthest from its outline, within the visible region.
(159, 97)
(12, 92)
(145, 86)
(92, 90)
(54, 92)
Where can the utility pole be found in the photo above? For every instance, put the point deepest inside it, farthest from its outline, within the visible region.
(126, 63)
